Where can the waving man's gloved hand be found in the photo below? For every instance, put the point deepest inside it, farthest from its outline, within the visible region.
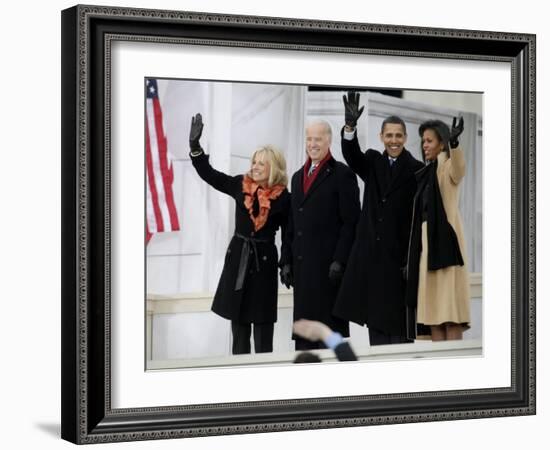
(352, 110)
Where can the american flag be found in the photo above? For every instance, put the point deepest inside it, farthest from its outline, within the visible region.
(161, 208)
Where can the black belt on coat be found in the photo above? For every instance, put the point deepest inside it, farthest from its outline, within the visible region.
(249, 246)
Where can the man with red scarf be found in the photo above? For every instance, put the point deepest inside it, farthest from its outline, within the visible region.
(324, 212)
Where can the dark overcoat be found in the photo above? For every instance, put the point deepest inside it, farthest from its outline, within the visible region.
(321, 230)
(373, 288)
(252, 251)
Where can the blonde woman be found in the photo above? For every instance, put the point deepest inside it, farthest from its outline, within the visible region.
(438, 283)
(247, 290)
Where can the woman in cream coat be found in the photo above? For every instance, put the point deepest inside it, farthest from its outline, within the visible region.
(437, 274)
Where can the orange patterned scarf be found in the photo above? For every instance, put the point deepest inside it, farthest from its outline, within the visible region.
(265, 195)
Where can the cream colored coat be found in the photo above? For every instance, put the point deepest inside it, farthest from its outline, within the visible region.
(444, 294)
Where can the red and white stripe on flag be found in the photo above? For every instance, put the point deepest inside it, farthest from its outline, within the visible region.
(161, 210)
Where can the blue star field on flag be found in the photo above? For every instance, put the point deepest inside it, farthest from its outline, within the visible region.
(152, 88)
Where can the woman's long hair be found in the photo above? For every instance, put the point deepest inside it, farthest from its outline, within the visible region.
(277, 164)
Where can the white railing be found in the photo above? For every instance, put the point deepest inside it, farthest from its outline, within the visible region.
(196, 308)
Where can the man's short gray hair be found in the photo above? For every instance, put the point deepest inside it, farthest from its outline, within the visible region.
(323, 123)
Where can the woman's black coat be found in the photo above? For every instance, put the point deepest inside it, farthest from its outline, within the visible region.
(321, 230)
(256, 301)
(373, 288)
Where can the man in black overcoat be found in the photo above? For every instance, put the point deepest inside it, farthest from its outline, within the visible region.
(323, 216)
(373, 286)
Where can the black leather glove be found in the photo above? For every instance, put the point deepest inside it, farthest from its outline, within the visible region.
(456, 130)
(335, 273)
(352, 110)
(195, 134)
(286, 275)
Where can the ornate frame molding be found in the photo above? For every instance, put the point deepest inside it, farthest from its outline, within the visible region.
(87, 34)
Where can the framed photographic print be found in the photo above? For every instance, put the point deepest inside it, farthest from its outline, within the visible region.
(184, 266)
(146, 240)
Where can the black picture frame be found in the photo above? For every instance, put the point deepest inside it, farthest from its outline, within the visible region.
(87, 33)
